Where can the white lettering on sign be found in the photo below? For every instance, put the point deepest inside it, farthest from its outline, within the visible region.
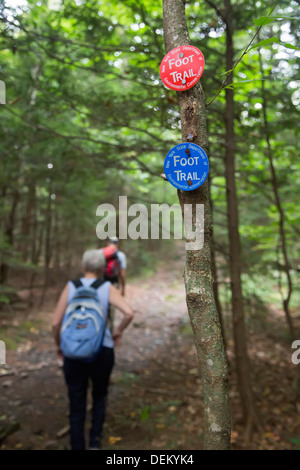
(179, 62)
(177, 76)
(183, 161)
(181, 176)
(181, 68)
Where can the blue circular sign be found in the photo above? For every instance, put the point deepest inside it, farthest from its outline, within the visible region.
(186, 166)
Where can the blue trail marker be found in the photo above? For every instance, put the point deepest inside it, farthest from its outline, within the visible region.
(186, 166)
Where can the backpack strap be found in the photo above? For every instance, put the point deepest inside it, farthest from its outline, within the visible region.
(77, 283)
(96, 284)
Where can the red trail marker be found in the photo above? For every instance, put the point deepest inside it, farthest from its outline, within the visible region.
(181, 68)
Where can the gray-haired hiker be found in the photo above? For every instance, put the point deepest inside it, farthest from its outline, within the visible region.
(81, 333)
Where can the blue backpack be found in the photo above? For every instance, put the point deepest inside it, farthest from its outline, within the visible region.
(84, 323)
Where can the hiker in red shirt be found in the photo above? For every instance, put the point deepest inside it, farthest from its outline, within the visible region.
(115, 271)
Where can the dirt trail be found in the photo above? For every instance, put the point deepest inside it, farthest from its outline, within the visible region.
(155, 399)
(33, 391)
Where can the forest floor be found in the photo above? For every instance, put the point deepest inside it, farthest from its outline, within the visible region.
(155, 399)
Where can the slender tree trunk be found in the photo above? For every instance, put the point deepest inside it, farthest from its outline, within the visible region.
(215, 273)
(198, 270)
(27, 221)
(34, 235)
(216, 290)
(38, 244)
(9, 233)
(47, 245)
(281, 226)
(239, 333)
(39, 247)
(57, 243)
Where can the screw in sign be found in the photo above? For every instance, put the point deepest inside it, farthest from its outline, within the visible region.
(181, 68)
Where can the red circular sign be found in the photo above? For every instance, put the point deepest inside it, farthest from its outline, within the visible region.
(182, 67)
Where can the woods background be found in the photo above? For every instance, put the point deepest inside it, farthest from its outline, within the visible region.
(87, 119)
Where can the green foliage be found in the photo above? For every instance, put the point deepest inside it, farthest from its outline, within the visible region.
(128, 378)
(264, 20)
(88, 120)
(296, 442)
(266, 42)
(145, 413)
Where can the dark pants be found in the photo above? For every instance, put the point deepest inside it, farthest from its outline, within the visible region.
(77, 374)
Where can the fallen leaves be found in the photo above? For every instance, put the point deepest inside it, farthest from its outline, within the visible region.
(271, 435)
(113, 440)
(160, 426)
(172, 408)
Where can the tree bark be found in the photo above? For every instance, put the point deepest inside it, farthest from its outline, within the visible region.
(239, 333)
(216, 290)
(281, 226)
(48, 224)
(215, 273)
(9, 235)
(27, 220)
(36, 252)
(198, 268)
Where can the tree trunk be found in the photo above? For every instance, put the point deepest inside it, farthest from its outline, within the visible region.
(215, 274)
(240, 341)
(27, 220)
(57, 243)
(9, 235)
(36, 253)
(216, 291)
(281, 227)
(34, 235)
(198, 270)
(47, 245)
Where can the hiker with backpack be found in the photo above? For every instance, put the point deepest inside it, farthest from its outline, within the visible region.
(85, 342)
(115, 271)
